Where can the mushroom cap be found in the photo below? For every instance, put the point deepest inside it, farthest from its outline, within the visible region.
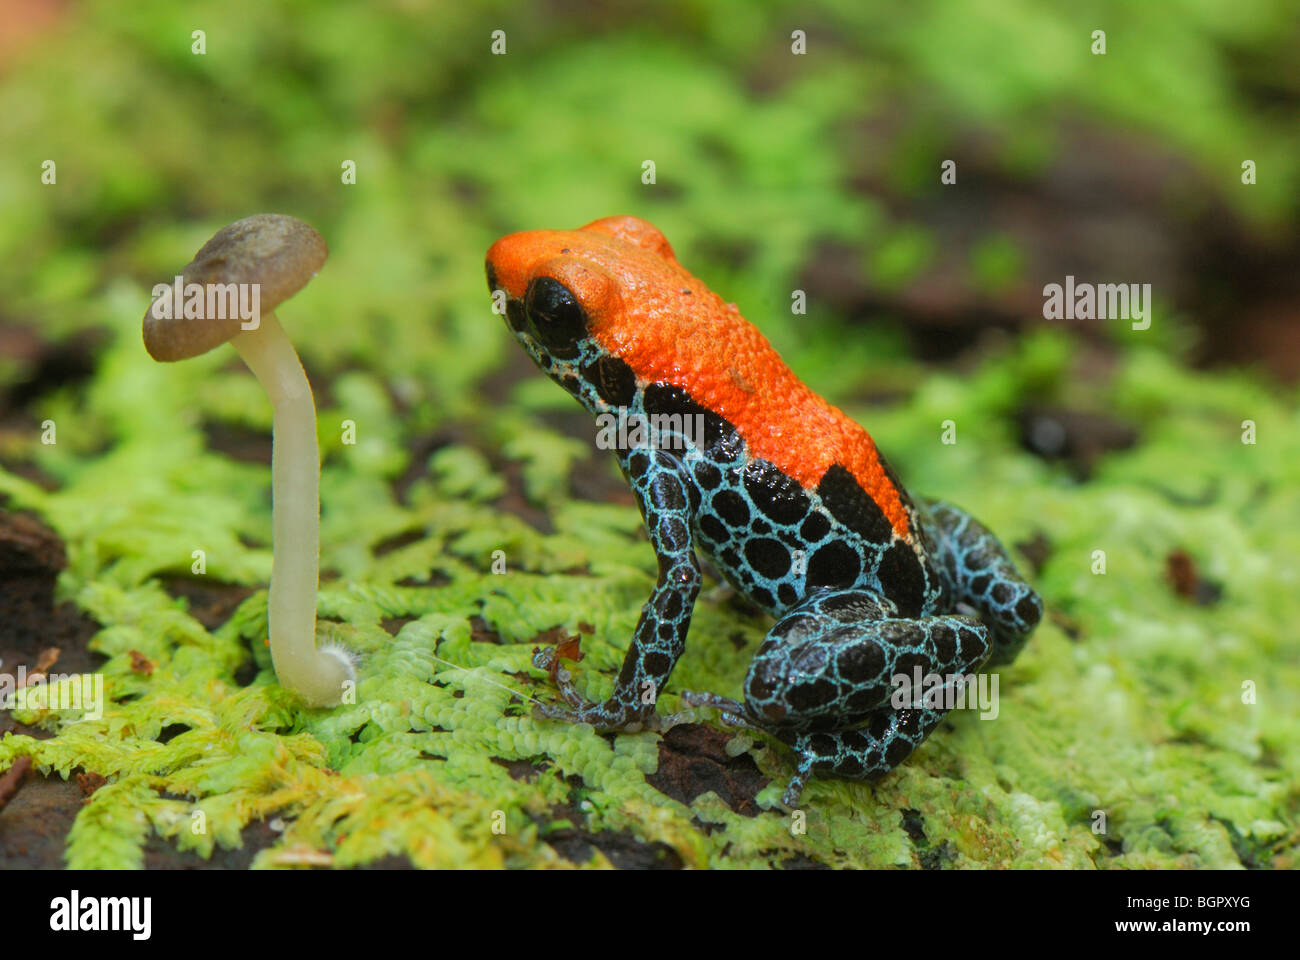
(278, 252)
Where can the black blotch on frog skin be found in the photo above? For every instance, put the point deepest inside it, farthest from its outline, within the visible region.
(666, 399)
(945, 642)
(897, 751)
(796, 624)
(672, 606)
(673, 536)
(1028, 612)
(666, 493)
(973, 646)
(815, 527)
(861, 663)
(850, 767)
(713, 529)
(656, 663)
(731, 507)
(834, 565)
(902, 579)
(778, 496)
(637, 464)
(790, 540)
(707, 475)
(888, 468)
(721, 442)
(768, 557)
(852, 607)
(613, 379)
(852, 506)
(626, 674)
(805, 697)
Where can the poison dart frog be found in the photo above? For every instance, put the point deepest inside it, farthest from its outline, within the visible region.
(786, 497)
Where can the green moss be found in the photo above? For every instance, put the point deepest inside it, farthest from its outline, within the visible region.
(996, 263)
(901, 258)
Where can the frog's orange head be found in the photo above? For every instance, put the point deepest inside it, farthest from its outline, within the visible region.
(574, 296)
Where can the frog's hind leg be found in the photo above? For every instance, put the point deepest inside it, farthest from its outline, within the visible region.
(834, 663)
(867, 753)
(983, 576)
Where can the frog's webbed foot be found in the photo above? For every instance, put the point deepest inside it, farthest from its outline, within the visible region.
(612, 715)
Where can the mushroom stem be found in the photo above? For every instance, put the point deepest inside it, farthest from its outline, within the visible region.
(318, 675)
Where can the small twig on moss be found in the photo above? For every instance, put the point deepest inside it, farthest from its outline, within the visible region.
(13, 779)
(48, 658)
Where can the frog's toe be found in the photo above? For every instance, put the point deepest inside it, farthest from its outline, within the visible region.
(699, 698)
(607, 717)
(564, 684)
(545, 659)
(554, 711)
(795, 788)
(664, 723)
(732, 712)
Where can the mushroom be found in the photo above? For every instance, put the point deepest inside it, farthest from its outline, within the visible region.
(245, 271)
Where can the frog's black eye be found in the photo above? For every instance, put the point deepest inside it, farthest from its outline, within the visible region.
(557, 319)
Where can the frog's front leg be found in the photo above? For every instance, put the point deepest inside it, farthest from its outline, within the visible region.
(823, 682)
(666, 499)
